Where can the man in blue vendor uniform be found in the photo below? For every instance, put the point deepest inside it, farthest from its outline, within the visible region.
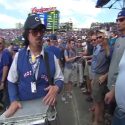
(27, 78)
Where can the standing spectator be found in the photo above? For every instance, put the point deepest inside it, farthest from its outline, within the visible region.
(62, 47)
(15, 50)
(79, 64)
(119, 116)
(10, 48)
(113, 38)
(100, 65)
(87, 71)
(112, 41)
(119, 48)
(5, 62)
(52, 46)
(70, 70)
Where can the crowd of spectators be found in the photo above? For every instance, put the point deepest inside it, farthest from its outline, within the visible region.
(107, 26)
(10, 34)
(79, 70)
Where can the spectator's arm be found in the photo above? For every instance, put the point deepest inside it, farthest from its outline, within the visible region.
(58, 78)
(110, 96)
(6, 61)
(5, 72)
(89, 61)
(13, 73)
(88, 57)
(69, 59)
(4, 76)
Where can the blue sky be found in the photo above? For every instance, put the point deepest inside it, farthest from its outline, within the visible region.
(81, 12)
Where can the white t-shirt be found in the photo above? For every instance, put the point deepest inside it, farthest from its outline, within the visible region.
(84, 44)
(120, 85)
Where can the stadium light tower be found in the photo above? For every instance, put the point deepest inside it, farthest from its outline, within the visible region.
(53, 18)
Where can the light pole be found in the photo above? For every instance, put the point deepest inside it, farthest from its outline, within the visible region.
(53, 21)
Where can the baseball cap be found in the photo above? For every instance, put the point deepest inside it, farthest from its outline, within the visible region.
(106, 33)
(16, 48)
(53, 37)
(121, 13)
(33, 21)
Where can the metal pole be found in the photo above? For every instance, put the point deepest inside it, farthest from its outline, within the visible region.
(53, 21)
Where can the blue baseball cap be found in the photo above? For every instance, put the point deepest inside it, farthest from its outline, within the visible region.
(33, 21)
(121, 13)
(53, 37)
(16, 48)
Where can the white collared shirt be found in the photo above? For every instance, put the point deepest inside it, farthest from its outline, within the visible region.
(13, 73)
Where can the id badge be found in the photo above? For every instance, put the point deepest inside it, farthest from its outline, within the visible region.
(33, 87)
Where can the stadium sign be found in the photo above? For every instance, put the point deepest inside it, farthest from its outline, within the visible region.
(49, 17)
(43, 10)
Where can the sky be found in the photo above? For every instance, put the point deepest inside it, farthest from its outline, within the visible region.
(81, 12)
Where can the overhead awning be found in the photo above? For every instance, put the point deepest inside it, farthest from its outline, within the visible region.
(101, 3)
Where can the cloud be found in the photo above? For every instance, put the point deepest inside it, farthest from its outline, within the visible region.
(80, 11)
(9, 22)
(5, 4)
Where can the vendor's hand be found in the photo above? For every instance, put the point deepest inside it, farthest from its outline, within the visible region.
(14, 106)
(51, 96)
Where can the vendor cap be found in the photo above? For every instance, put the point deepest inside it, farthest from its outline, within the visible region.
(33, 21)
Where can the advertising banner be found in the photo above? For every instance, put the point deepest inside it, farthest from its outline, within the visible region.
(49, 17)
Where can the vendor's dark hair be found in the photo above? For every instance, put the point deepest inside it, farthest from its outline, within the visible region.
(25, 35)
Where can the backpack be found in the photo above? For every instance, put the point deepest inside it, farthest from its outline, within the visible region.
(63, 58)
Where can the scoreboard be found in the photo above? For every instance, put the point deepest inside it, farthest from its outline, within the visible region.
(49, 17)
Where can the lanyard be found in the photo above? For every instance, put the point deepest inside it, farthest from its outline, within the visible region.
(35, 67)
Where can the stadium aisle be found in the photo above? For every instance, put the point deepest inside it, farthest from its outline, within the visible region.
(76, 111)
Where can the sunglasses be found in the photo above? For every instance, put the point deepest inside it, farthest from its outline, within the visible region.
(93, 39)
(36, 31)
(99, 37)
(120, 20)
